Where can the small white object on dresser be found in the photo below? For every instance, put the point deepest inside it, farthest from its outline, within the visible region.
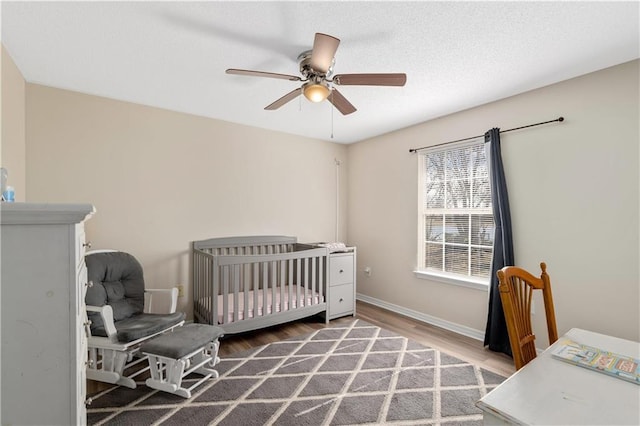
(44, 345)
(342, 283)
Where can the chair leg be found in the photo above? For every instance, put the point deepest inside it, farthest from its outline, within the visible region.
(167, 373)
(108, 365)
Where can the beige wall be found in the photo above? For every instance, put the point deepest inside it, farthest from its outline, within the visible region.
(573, 189)
(161, 179)
(12, 154)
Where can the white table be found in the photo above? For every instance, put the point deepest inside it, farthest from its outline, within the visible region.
(548, 391)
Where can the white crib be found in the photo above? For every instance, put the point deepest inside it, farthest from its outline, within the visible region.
(247, 283)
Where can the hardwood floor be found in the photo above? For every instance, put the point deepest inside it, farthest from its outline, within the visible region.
(447, 341)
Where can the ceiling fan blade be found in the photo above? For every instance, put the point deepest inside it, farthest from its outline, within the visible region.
(252, 73)
(340, 102)
(370, 79)
(283, 100)
(324, 49)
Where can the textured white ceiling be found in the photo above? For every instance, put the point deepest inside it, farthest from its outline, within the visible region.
(456, 54)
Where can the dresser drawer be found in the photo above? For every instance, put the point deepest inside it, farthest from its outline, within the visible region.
(341, 300)
(341, 269)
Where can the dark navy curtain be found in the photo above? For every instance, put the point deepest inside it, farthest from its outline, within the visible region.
(496, 336)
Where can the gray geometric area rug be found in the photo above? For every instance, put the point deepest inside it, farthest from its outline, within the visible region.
(348, 374)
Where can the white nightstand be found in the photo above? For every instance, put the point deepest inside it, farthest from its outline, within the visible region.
(342, 283)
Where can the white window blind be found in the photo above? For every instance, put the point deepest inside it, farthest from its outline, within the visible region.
(456, 221)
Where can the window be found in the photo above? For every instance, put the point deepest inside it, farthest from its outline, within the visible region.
(456, 221)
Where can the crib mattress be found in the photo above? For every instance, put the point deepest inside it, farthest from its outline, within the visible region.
(296, 302)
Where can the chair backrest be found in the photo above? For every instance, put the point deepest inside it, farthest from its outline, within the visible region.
(117, 281)
(516, 292)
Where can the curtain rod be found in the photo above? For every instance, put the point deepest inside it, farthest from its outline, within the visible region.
(559, 119)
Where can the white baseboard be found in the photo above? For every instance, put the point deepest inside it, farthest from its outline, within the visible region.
(438, 322)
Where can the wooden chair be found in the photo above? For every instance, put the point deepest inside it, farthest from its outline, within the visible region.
(516, 293)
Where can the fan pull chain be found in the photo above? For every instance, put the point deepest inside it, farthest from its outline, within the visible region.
(332, 108)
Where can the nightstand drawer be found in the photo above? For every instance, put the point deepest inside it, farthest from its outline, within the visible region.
(341, 270)
(341, 300)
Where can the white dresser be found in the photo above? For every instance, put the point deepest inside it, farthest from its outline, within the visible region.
(342, 283)
(43, 282)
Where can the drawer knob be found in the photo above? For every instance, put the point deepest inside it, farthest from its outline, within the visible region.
(341, 270)
(341, 299)
(89, 284)
(87, 245)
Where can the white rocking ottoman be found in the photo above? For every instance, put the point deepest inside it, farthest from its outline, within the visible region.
(192, 348)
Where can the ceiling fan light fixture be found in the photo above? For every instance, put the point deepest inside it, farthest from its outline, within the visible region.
(316, 92)
(316, 66)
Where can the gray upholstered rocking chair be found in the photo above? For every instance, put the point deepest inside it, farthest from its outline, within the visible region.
(122, 315)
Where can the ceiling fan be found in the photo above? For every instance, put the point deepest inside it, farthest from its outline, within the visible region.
(316, 67)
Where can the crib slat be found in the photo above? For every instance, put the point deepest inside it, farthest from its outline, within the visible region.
(213, 290)
(273, 283)
(256, 288)
(298, 272)
(236, 289)
(313, 279)
(225, 294)
(281, 287)
(246, 288)
(323, 279)
(209, 287)
(265, 282)
(292, 303)
(305, 279)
